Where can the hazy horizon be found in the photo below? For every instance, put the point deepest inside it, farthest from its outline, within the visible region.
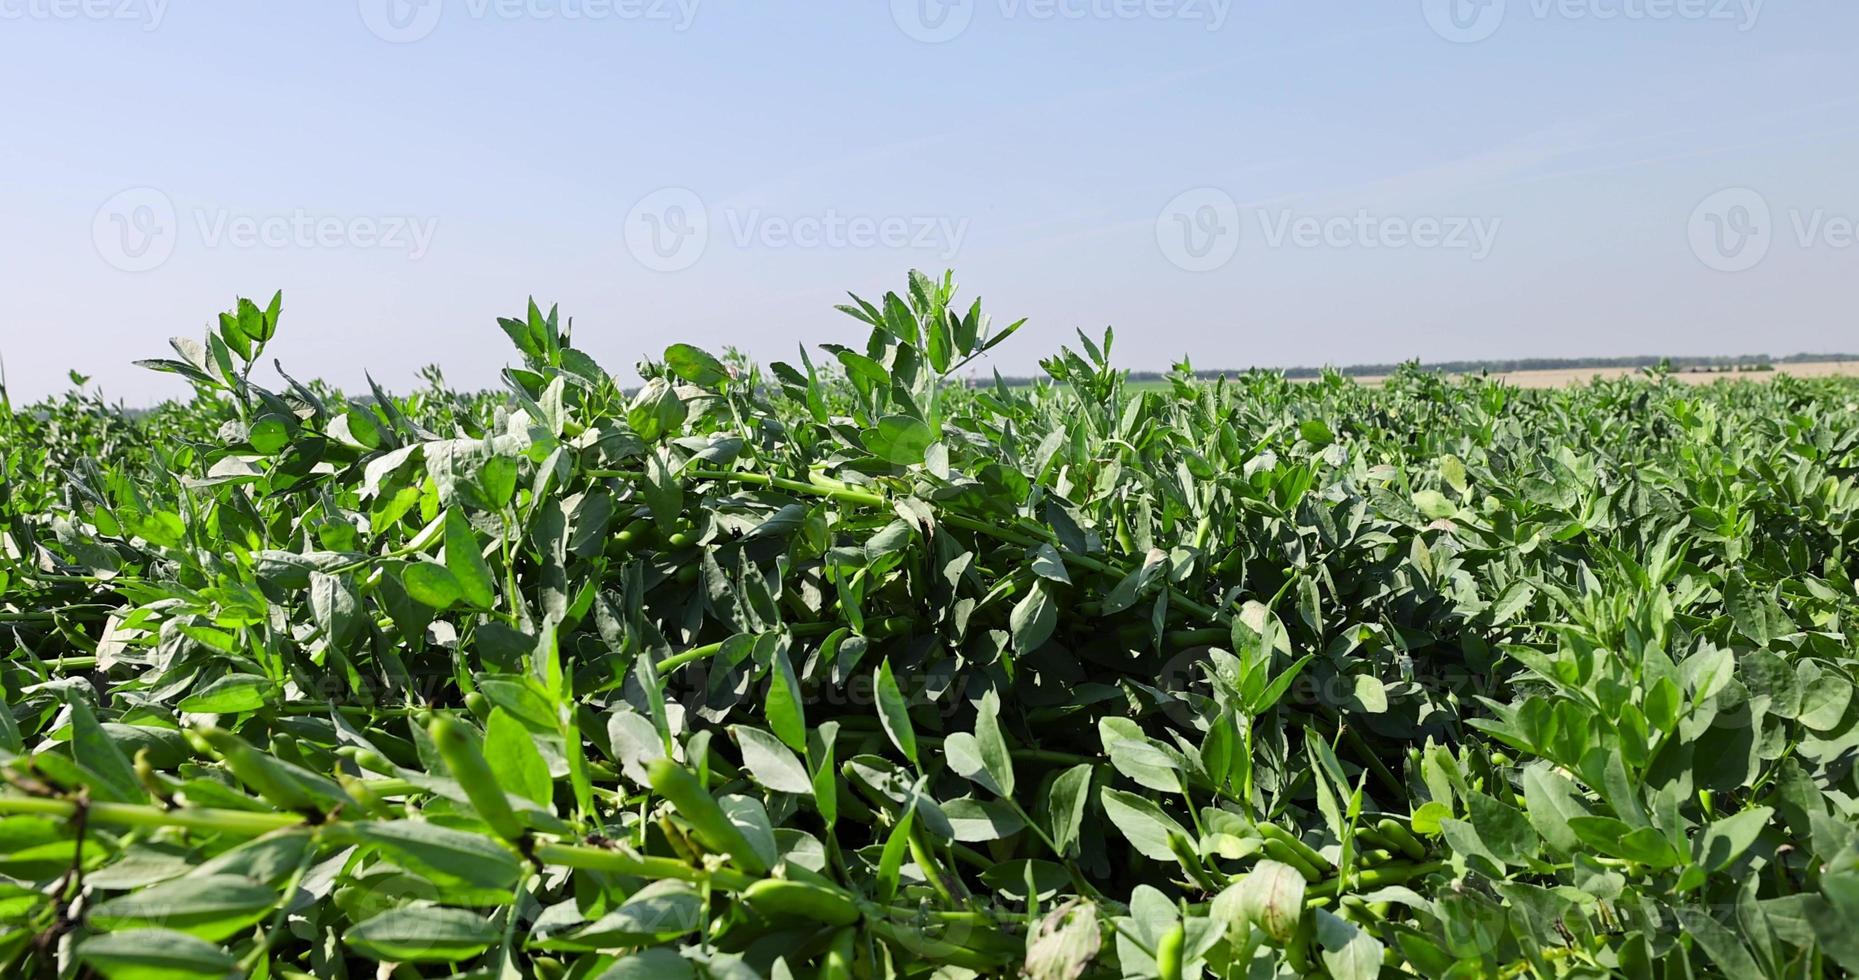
(1446, 180)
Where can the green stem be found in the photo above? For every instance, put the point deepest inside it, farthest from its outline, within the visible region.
(79, 579)
(262, 948)
(253, 824)
(638, 865)
(1079, 881)
(883, 627)
(62, 663)
(932, 868)
(245, 823)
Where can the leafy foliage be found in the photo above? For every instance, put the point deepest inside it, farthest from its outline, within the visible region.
(850, 669)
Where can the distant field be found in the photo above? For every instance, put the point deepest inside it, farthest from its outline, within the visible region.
(1563, 377)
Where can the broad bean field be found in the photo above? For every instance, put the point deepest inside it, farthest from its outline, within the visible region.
(851, 666)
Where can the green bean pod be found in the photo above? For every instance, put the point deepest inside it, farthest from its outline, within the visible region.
(1376, 856)
(708, 821)
(254, 769)
(1401, 837)
(780, 897)
(474, 775)
(1168, 952)
(837, 963)
(1284, 853)
(1271, 832)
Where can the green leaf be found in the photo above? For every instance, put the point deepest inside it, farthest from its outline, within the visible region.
(992, 746)
(1727, 839)
(900, 439)
(783, 708)
(99, 755)
(208, 907)
(475, 584)
(891, 859)
(650, 964)
(1138, 757)
(976, 820)
(1272, 692)
(1065, 804)
(1433, 505)
(422, 935)
(1034, 618)
(1048, 564)
(480, 870)
(1551, 804)
(1504, 830)
(695, 365)
(1370, 694)
(1452, 470)
(825, 782)
(1610, 836)
(964, 755)
(1142, 823)
(432, 584)
(335, 608)
(773, 765)
(894, 713)
(511, 751)
(1719, 943)
(1271, 897)
(161, 528)
(659, 912)
(154, 954)
(230, 695)
(1348, 952)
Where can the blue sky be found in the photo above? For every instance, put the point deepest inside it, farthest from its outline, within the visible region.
(1246, 183)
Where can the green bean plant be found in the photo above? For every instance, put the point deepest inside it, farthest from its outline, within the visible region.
(849, 667)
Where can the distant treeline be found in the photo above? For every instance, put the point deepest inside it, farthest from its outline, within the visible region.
(1757, 362)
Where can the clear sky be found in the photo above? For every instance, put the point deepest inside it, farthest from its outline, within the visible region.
(1252, 183)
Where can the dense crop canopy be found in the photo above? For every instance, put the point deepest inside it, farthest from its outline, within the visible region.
(846, 668)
